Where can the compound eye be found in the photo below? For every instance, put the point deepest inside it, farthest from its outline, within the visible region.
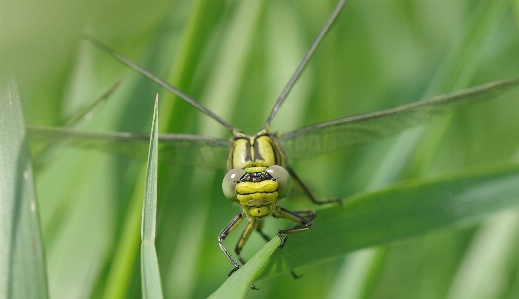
(229, 182)
(282, 177)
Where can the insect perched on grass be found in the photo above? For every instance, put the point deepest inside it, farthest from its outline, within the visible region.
(309, 141)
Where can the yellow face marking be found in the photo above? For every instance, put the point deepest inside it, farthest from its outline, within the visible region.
(252, 199)
(244, 188)
(257, 198)
(255, 169)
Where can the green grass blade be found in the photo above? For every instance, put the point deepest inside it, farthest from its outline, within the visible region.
(151, 286)
(22, 265)
(402, 211)
(85, 114)
(44, 154)
(238, 284)
(488, 255)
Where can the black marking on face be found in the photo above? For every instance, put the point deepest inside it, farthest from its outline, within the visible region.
(256, 177)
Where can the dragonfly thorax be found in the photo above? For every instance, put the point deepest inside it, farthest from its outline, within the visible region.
(260, 150)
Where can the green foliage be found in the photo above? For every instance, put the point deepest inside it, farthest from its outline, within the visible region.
(150, 276)
(22, 261)
(424, 202)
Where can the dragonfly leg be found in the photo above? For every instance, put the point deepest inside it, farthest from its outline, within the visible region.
(309, 214)
(228, 229)
(298, 217)
(309, 193)
(242, 240)
(259, 229)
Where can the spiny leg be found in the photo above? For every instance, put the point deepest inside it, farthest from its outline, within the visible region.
(309, 193)
(259, 229)
(309, 214)
(228, 229)
(243, 239)
(241, 242)
(303, 223)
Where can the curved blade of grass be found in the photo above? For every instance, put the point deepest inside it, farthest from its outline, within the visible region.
(22, 265)
(86, 113)
(151, 286)
(48, 150)
(404, 210)
(238, 284)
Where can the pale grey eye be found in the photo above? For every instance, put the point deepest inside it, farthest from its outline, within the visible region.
(282, 177)
(229, 182)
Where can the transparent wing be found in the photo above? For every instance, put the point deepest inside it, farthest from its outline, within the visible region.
(194, 150)
(355, 130)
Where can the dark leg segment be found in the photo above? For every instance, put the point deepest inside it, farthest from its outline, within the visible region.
(259, 229)
(306, 213)
(308, 192)
(243, 239)
(228, 229)
(303, 223)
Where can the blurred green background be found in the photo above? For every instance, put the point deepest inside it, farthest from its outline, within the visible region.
(235, 57)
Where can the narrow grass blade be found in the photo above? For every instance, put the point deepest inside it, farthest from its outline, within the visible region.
(406, 210)
(238, 284)
(85, 113)
(22, 264)
(150, 275)
(44, 154)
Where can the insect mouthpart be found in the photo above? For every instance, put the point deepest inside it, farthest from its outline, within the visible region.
(258, 212)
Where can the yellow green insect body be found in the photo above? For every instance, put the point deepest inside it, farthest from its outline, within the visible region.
(257, 180)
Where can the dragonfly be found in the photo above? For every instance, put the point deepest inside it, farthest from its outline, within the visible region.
(259, 174)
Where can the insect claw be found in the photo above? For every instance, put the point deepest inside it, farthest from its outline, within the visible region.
(283, 240)
(294, 274)
(233, 270)
(252, 286)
